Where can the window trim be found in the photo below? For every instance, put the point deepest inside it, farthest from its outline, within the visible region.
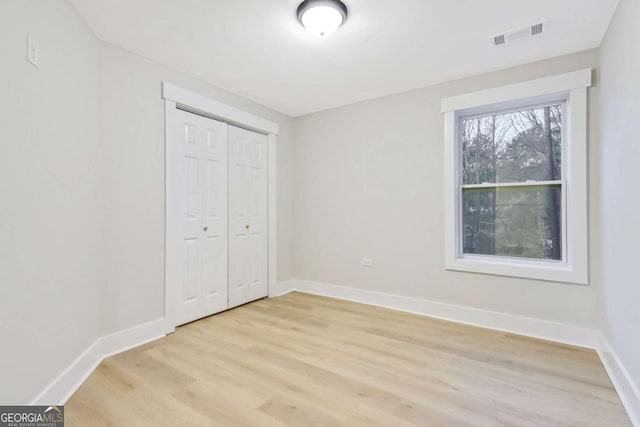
(570, 88)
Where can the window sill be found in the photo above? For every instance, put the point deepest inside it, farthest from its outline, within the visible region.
(553, 271)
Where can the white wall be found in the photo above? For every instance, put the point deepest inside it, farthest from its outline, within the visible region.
(82, 191)
(50, 206)
(620, 154)
(132, 129)
(369, 183)
(82, 187)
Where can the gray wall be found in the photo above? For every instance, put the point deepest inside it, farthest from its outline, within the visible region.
(369, 183)
(82, 194)
(82, 191)
(620, 154)
(132, 131)
(50, 203)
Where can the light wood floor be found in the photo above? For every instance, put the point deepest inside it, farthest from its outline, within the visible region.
(304, 360)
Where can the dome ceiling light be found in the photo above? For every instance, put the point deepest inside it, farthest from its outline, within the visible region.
(322, 17)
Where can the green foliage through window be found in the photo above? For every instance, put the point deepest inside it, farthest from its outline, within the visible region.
(520, 149)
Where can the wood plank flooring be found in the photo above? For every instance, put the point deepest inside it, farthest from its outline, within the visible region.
(304, 360)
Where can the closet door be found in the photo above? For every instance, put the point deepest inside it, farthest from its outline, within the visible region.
(248, 260)
(201, 168)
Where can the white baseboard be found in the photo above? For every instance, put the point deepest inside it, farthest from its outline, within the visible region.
(536, 328)
(61, 389)
(65, 384)
(628, 391)
(282, 288)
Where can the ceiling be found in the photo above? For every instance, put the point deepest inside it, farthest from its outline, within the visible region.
(257, 49)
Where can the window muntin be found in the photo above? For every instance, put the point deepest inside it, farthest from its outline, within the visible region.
(511, 189)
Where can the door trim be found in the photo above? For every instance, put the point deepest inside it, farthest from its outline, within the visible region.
(178, 98)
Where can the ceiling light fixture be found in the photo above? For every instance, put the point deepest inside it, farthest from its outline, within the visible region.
(322, 17)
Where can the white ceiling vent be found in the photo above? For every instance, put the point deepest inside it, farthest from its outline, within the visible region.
(519, 33)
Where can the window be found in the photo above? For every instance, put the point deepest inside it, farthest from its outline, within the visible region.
(515, 196)
(511, 183)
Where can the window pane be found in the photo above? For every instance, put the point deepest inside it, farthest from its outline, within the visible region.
(512, 147)
(520, 222)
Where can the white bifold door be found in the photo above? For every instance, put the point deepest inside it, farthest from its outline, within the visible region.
(247, 216)
(221, 186)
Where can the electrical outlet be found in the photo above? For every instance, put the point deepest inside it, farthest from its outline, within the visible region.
(367, 262)
(33, 51)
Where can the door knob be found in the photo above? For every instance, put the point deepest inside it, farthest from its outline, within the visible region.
(246, 226)
(205, 228)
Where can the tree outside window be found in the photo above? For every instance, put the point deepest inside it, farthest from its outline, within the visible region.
(511, 183)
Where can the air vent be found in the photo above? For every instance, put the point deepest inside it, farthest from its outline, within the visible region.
(518, 33)
(537, 29)
(498, 40)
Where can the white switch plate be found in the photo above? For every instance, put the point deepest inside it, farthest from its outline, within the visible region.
(33, 51)
(367, 262)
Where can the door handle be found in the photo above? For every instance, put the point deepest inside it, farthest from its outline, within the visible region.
(246, 226)
(205, 228)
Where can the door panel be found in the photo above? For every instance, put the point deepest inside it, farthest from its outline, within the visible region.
(247, 216)
(202, 188)
(215, 185)
(191, 277)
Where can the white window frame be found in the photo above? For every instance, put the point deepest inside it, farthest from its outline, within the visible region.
(569, 88)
